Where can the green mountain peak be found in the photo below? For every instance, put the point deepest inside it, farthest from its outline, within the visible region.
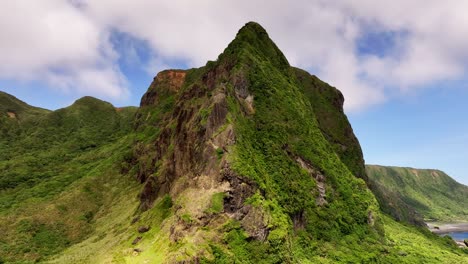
(253, 43)
(244, 160)
(89, 101)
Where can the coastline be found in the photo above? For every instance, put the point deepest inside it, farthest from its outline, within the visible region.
(446, 228)
(443, 228)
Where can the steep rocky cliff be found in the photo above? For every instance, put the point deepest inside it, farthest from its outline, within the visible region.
(269, 142)
(244, 160)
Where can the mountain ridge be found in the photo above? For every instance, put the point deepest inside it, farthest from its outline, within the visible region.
(9, 103)
(243, 160)
(431, 193)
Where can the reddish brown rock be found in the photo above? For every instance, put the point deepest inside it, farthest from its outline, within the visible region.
(165, 82)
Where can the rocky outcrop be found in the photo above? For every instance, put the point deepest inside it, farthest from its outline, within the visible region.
(11, 115)
(143, 229)
(240, 189)
(319, 180)
(190, 133)
(165, 83)
(136, 240)
(202, 126)
(253, 219)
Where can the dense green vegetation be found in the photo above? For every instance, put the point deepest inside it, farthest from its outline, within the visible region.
(245, 160)
(327, 105)
(20, 110)
(432, 193)
(14, 112)
(54, 170)
(283, 128)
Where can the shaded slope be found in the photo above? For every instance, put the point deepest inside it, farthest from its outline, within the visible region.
(431, 193)
(327, 104)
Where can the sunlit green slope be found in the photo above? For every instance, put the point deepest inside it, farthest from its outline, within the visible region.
(244, 160)
(432, 193)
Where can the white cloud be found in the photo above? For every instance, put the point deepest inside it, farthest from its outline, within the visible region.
(54, 42)
(435, 44)
(311, 34)
(67, 43)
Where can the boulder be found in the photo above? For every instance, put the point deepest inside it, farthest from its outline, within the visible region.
(143, 229)
(136, 240)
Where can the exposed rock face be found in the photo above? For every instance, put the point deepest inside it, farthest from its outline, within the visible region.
(209, 127)
(165, 82)
(253, 219)
(319, 179)
(11, 115)
(189, 136)
(245, 160)
(143, 229)
(299, 220)
(241, 189)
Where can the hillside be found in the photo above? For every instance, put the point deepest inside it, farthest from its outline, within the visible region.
(16, 109)
(241, 128)
(244, 160)
(431, 193)
(14, 112)
(50, 163)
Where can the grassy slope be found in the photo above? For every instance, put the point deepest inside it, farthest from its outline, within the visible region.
(432, 193)
(284, 115)
(59, 170)
(407, 244)
(22, 111)
(14, 112)
(336, 233)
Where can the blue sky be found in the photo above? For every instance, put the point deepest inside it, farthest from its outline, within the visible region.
(403, 77)
(423, 130)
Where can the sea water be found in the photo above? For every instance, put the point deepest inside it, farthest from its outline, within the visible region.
(458, 236)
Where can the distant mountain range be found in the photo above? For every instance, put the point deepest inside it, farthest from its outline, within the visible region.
(416, 195)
